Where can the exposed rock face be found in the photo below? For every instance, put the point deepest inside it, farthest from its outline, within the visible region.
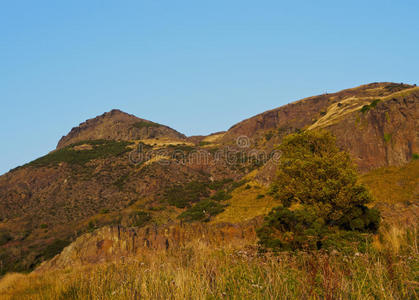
(117, 125)
(384, 134)
(113, 243)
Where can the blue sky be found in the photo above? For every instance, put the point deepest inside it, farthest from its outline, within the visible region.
(197, 66)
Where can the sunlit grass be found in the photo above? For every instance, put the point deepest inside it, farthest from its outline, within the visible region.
(388, 270)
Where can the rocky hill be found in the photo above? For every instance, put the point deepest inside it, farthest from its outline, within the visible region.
(117, 169)
(377, 123)
(119, 126)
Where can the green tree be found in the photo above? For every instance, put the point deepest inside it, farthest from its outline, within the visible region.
(317, 185)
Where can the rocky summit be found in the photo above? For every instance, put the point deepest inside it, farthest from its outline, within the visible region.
(120, 126)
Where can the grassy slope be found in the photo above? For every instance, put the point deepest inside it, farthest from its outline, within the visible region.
(387, 185)
(394, 184)
(204, 271)
(247, 203)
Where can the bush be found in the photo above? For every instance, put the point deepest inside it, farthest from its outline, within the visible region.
(291, 230)
(238, 184)
(182, 196)
(140, 218)
(319, 182)
(221, 195)
(360, 218)
(100, 149)
(367, 107)
(204, 143)
(202, 211)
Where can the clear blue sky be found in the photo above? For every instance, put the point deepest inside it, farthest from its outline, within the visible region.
(197, 66)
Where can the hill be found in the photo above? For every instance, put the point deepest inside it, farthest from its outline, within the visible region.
(120, 170)
(377, 123)
(119, 126)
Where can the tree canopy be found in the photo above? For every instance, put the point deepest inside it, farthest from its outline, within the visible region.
(320, 194)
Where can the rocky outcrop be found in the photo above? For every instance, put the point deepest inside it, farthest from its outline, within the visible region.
(376, 123)
(384, 135)
(117, 125)
(114, 243)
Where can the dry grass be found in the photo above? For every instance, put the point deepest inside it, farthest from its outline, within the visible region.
(389, 270)
(394, 184)
(164, 142)
(245, 204)
(337, 111)
(214, 138)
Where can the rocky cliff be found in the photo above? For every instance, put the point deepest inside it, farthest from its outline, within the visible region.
(114, 243)
(376, 123)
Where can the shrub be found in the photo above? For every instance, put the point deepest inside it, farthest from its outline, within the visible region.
(238, 184)
(101, 149)
(374, 103)
(321, 181)
(291, 230)
(387, 137)
(218, 184)
(140, 218)
(367, 107)
(182, 196)
(360, 218)
(202, 211)
(260, 196)
(204, 143)
(221, 195)
(415, 156)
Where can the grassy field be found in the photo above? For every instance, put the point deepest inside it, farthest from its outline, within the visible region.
(389, 269)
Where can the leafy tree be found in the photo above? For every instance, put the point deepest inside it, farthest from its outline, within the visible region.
(317, 185)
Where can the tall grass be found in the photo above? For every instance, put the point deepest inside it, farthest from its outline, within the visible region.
(388, 270)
